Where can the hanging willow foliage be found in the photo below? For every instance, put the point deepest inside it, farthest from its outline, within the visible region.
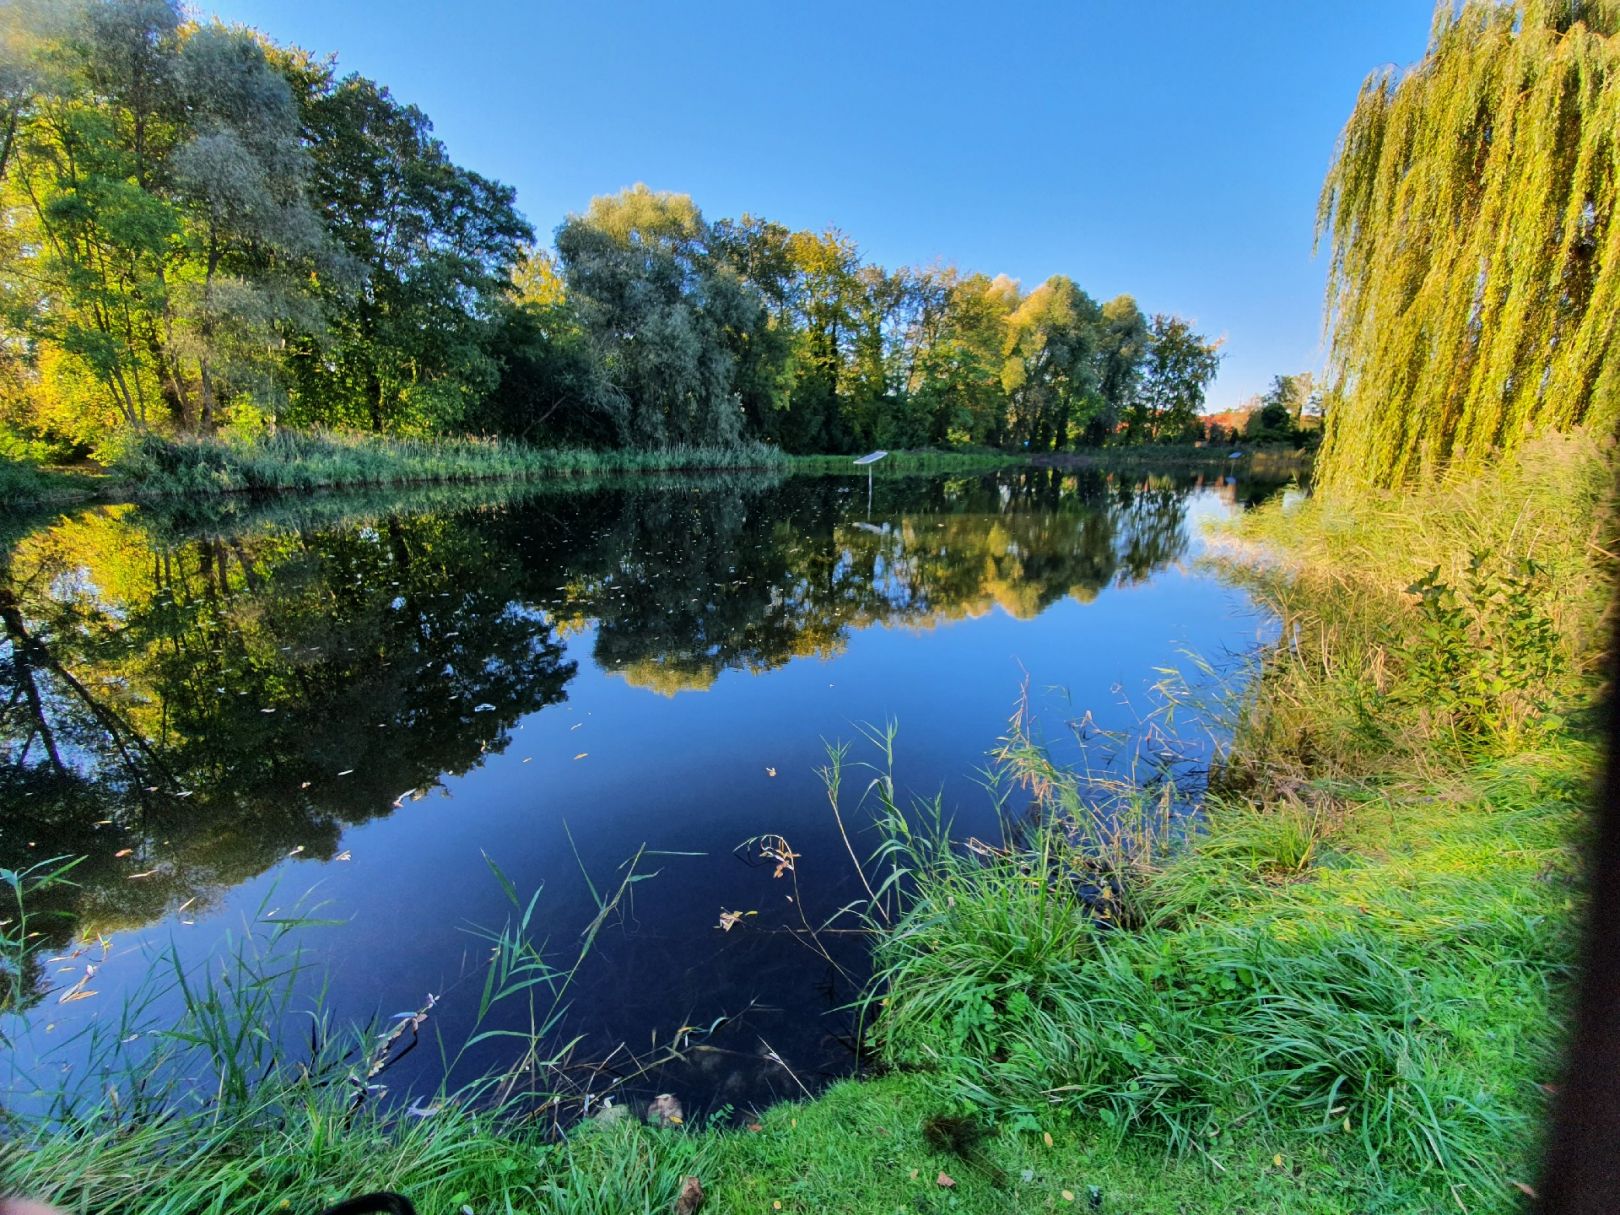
(1474, 275)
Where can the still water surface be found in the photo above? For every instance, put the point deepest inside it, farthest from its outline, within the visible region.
(359, 707)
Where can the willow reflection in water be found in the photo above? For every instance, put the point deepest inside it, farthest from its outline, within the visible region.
(187, 708)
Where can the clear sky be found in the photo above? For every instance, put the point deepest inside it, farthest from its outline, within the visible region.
(1171, 150)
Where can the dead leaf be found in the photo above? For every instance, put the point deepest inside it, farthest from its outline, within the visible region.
(75, 995)
(147, 874)
(730, 919)
(582, 755)
(343, 856)
(1068, 1195)
(945, 1181)
(123, 852)
(1046, 1138)
(770, 771)
(1527, 1191)
(756, 1127)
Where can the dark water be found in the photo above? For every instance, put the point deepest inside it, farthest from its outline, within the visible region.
(361, 707)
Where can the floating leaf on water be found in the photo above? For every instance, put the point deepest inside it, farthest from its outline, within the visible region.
(582, 755)
(346, 772)
(486, 707)
(769, 771)
(296, 850)
(342, 856)
(122, 852)
(730, 919)
(75, 995)
(147, 874)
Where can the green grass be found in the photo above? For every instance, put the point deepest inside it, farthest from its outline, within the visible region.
(154, 466)
(904, 463)
(1343, 993)
(319, 460)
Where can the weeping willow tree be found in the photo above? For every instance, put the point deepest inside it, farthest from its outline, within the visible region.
(1474, 275)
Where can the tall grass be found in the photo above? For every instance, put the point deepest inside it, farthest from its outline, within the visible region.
(1427, 628)
(290, 460)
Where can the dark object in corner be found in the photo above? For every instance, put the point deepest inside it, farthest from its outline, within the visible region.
(383, 1202)
(1580, 1172)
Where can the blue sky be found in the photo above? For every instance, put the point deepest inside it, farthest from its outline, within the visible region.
(1173, 150)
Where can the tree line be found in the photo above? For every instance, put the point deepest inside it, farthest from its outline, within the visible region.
(204, 229)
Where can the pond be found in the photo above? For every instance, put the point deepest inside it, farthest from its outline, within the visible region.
(361, 709)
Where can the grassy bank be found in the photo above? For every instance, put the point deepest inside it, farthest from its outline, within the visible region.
(907, 462)
(1341, 993)
(291, 461)
(1272, 463)
(153, 466)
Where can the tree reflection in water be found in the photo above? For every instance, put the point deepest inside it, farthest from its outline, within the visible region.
(212, 697)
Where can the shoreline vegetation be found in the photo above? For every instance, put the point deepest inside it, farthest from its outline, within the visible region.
(154, 466)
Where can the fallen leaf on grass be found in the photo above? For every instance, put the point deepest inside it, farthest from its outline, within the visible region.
(1068, 1195)
(1046, 1138)
(945, 1181)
